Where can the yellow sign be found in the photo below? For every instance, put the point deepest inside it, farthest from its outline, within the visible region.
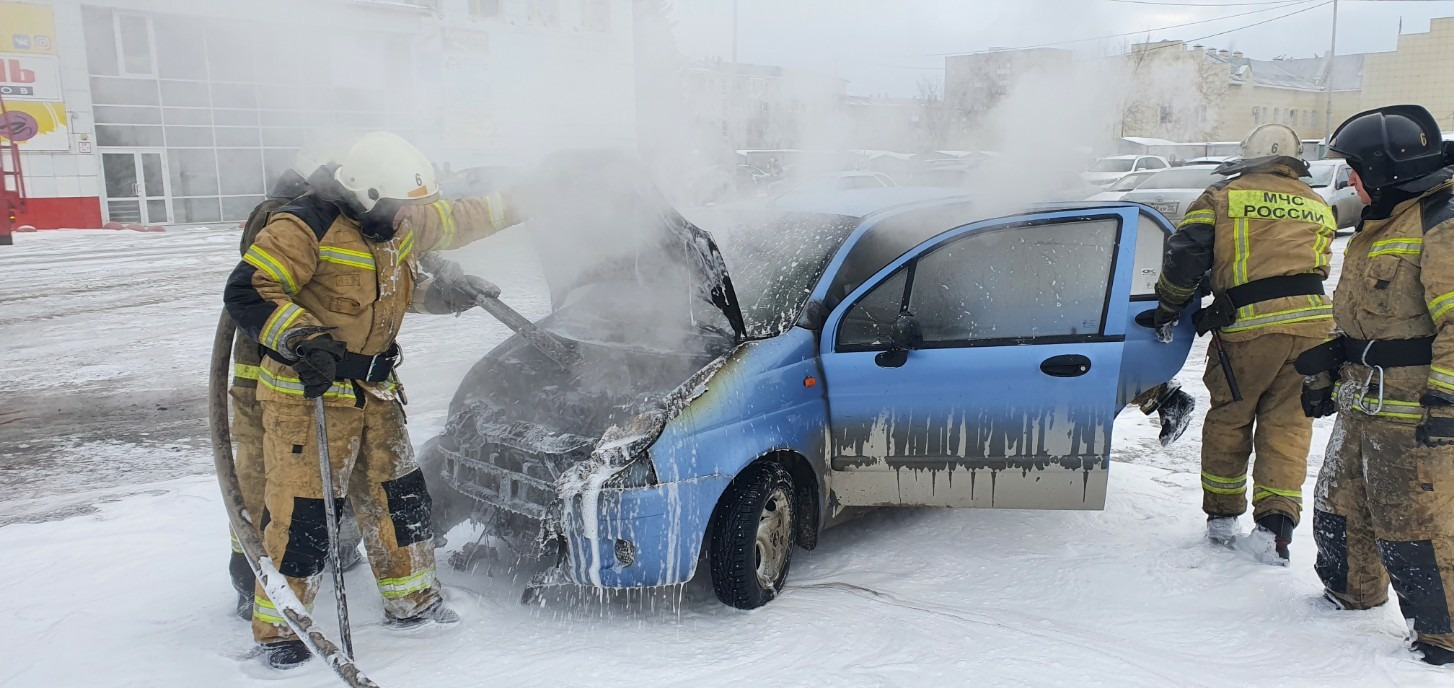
(30, 79)
(1268, 205)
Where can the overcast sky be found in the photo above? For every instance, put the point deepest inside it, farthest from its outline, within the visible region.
(887, 46)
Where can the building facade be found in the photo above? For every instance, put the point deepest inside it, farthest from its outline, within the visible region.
(1171, 90)
(179, 111)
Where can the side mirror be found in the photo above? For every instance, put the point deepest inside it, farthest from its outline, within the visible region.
(906, 336)
(1342, 184)
(813, 316)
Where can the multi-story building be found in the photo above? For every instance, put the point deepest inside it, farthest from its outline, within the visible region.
(178, 111)
(1194, 93)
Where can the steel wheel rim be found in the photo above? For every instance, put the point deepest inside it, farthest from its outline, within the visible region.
(774, 538)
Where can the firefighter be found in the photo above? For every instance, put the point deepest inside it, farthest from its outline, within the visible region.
(318, 158)
(1384, 503)
(324, 289)
(1266, 238)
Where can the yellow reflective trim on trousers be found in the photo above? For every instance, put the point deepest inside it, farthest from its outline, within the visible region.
(343, 256)
(245, 372)
(277, 324)
(1441, 305)
(1272, 205)
(273, 267)
(1218, 484)
(394, 588)
(1296, 315)
(1261, 492)
(264, 611)
(236, 546)
(294, 386)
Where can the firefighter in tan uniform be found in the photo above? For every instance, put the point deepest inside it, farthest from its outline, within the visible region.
(247, 416)
(1266, 238)
(324, 289)
(1384, 503)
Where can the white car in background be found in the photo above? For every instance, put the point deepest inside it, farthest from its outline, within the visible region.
(1107, 170)
(1122, 186)
(1330, 179)
(1170, 191)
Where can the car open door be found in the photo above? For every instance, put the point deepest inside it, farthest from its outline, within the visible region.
(983, 368)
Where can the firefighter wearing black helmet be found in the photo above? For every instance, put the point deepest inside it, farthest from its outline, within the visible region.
(1384, 508)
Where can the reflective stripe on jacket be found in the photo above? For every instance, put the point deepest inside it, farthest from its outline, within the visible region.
(1260, 224)
(312, 267)
(1398, 283)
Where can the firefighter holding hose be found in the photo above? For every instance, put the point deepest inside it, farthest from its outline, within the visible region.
(324, 289)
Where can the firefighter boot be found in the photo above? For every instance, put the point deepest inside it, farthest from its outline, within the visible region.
(1175, 409)
(1269, 541)
(1433, 654)
(288, 654)
(436, 613)
(1222, 530)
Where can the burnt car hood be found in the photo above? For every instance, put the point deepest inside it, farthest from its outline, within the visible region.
(595, 217)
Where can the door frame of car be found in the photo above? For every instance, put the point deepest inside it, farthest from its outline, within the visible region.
(1077, 480)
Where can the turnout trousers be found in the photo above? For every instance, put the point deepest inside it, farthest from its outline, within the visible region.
(373, 464)
(1269, 420)
(1384, 512)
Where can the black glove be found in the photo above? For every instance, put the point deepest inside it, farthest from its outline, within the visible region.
(317, 364)
(1437, 430)
(459, 294)
(1318, 398)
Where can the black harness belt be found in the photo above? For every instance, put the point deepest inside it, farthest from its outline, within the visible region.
(1390, 353)
(376, 368)
(1275, 288)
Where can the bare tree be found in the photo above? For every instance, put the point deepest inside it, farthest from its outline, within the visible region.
(935, 116)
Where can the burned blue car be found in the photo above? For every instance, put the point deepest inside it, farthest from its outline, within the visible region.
(737, 392)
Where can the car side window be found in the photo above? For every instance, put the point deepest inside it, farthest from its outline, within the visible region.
(1345, 174)
(1016, 283)
(868, 325)
(1150, 247)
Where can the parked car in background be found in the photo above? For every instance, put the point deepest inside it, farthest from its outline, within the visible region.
(1330, 178)
(1107, 170)
(1170, 191)
(835, 181)
(887, 347)
(1210, 160)
(1118, 188)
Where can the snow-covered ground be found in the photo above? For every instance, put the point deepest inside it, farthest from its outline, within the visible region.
(115, 543)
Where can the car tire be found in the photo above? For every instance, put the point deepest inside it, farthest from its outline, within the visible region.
(751, 537)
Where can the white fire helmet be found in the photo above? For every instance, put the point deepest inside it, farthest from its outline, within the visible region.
(323, 148)
(385, 166)
(1272, 141)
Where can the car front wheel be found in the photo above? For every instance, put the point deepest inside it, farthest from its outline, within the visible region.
(751, 543)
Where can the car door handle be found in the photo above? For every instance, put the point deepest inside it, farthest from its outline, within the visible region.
(1073, 365)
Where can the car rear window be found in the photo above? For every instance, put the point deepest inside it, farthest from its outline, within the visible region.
(1112, 165)
(1181, 178)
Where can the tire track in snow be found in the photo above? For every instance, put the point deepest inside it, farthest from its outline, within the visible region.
(968, 617)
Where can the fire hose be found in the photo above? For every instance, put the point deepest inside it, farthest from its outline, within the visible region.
(288, 605)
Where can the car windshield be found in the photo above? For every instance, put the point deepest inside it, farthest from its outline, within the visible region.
(1321, 176)
(775, 261)
(1128, 182)
(1112, 165)
(1181, 178)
